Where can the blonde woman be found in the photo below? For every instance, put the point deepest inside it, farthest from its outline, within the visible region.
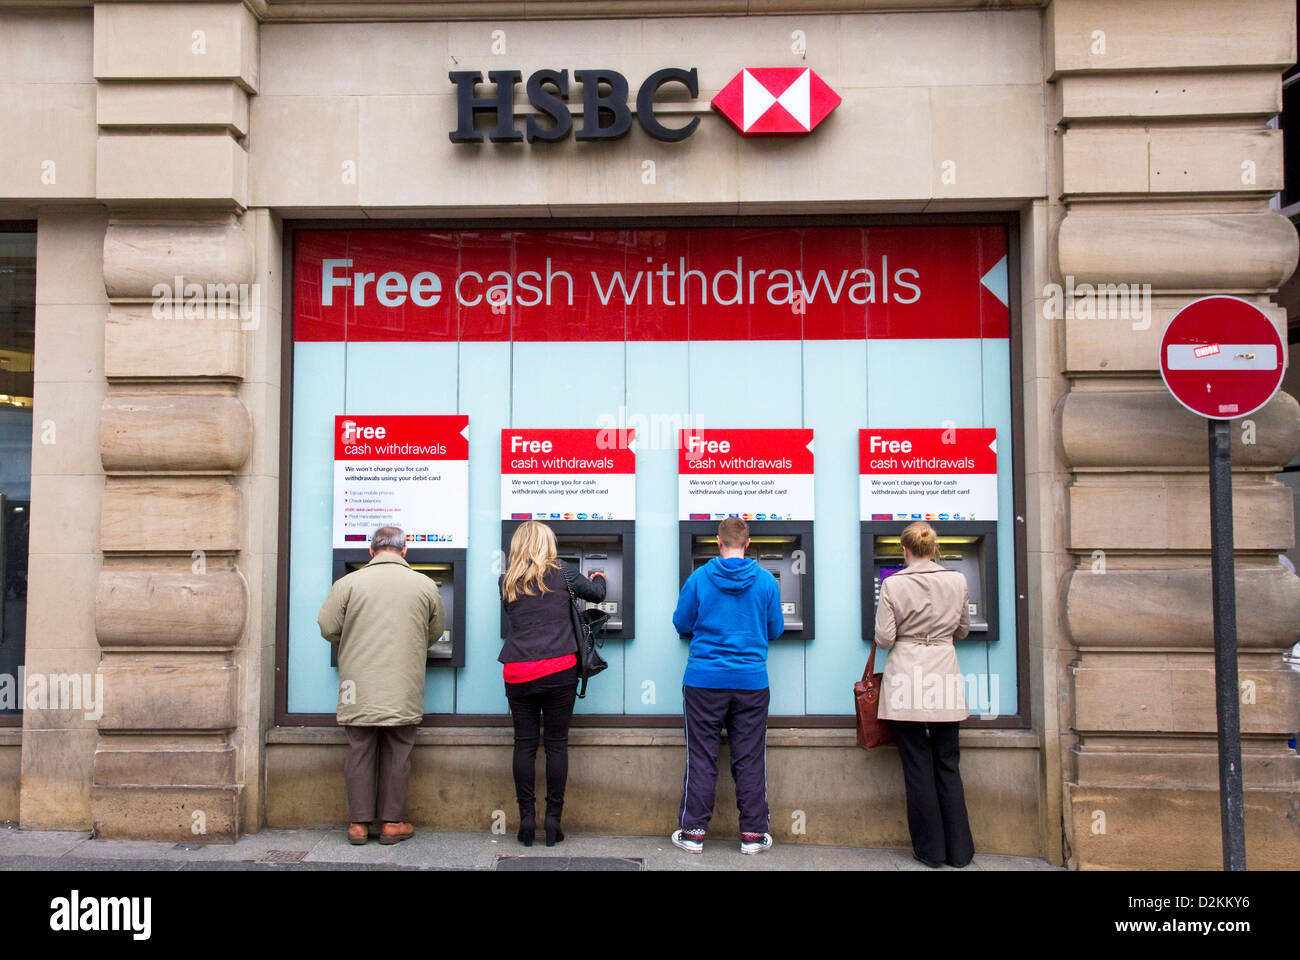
(541, 667)
(922, 610)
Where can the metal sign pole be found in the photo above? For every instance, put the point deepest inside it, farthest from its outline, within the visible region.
(1227, 705)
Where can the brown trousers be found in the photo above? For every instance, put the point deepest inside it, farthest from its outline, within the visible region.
(377, 772)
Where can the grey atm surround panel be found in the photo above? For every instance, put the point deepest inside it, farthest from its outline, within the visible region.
(772, 544)
(977, 560)
(447, 567)
(608, 546)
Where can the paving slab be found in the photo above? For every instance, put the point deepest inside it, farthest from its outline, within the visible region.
(39, 843)
(847, 858)
(253, 847)
(121, 849)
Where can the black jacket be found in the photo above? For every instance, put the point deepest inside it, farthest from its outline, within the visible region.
(539, 626)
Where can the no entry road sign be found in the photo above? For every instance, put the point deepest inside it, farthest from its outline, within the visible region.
(1222, 357)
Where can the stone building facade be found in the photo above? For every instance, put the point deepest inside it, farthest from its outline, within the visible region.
(1126, 142)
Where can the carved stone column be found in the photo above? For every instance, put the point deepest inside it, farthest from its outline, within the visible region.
(1167, 171)
(172, 604)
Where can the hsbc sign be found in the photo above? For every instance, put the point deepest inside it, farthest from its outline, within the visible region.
(760, 101)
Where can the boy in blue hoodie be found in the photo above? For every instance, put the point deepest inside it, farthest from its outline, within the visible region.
(731, 609)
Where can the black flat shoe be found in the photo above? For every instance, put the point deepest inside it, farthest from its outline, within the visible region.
(933, 864)
(959, 865)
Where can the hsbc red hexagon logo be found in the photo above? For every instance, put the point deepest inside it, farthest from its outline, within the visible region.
(776, 101)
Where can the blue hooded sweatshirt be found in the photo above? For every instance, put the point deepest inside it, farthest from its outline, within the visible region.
(731, 607)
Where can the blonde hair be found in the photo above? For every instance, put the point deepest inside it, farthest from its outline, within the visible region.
(920, 540)
(532, 553)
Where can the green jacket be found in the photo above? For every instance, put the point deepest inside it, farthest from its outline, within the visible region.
(384, 617)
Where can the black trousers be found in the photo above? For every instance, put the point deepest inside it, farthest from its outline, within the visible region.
(744, 714)
(936, 803)
(541, 710)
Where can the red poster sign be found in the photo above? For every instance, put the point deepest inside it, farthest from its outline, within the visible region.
(933, 450)
(568, 451)
(714, 283)
(745, 451)
(401, 437)
(568, 474)
(928, 474)
(752, 474)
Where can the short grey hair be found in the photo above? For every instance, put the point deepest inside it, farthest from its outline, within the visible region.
(388, 538)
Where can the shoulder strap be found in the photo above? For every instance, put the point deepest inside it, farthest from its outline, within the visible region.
(871, 662)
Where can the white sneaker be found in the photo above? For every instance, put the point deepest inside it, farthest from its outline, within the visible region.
(756, 846)
(689, 844)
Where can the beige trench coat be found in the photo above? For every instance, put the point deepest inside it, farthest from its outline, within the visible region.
(922, 609)
(383, 617)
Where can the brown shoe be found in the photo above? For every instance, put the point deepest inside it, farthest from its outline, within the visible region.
(396, 833)
(358, 834)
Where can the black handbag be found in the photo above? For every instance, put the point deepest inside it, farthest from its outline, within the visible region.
(587, 625)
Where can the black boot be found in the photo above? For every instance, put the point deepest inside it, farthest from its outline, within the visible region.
(554, 834)
(527, 823)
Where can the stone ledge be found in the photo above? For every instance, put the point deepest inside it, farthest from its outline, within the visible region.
(641, 736)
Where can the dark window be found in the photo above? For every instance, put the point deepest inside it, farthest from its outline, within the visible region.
(17, 350)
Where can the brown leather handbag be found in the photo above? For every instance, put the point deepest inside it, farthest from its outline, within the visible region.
(872, 731)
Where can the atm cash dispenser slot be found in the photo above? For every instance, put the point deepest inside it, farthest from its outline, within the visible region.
(444, 567)
(783, 549)
(590, 547)
(969, 547)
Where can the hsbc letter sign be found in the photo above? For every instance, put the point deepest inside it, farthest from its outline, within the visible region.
(758, 102)
(605, 113)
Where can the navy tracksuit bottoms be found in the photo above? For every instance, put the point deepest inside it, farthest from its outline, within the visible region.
(743, 713)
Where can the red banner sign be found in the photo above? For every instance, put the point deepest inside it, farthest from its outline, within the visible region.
(964, 450)
(723, 283)
(567, 451)
(745, 451)
(401, 437)
(928, 474)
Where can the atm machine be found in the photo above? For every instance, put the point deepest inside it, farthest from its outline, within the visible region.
(783, 548)
(447, 569)
(969, 546)
(593, 546)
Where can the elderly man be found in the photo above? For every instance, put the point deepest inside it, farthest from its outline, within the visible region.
(384, 617)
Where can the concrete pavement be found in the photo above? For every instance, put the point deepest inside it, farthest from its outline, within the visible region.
(316, 849)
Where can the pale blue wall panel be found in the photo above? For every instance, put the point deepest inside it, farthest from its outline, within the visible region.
(408, 378)
(571, 385)
(484, 376)
(997, 414)
(928, 383)
(755, 384)
(656, 405)
(835, 395)
(318, 398)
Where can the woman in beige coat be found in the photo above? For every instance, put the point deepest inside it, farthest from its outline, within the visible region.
(922, 610)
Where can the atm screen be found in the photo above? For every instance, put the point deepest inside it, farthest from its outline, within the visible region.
(889, 571)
